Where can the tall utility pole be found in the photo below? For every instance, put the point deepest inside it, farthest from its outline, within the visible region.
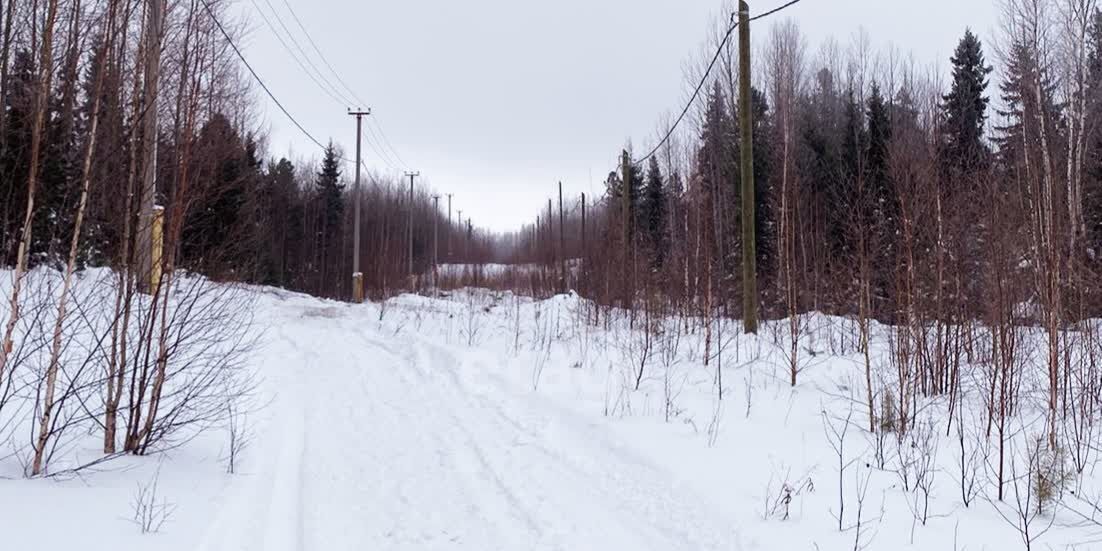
(450, 227)
(435, 240)
(409, 228)
(749, 252)
(357, 275)
(153, 31)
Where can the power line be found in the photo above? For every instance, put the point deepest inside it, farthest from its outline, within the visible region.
(268, 91)
(307, 56)
(259, 80)
(372, 141)
(707, 73)
(692, 99)
(386, 142)
(321, 55)
(775, 10)
(295, 56)
(382, 140)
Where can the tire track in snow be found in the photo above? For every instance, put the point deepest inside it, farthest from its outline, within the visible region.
(652, 504)
(384, 442)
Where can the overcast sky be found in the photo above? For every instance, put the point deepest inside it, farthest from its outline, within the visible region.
(496, 101)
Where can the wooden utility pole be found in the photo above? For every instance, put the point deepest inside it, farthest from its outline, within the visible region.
(562, 245)
(357, 275)
(550, 239)
(749, 252)
(582, 256)
(409, 228)
(450, 227)
(435, 241)
(153, 31)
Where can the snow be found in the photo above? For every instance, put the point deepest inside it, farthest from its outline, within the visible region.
(487, 421)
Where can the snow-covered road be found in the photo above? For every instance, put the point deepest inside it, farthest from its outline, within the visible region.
(396, 441)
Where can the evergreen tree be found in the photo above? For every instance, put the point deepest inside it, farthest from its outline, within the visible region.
(282, 215)
(15, 155)
(965, 110)
(1092, 177)
(717, 178)
(765, 222)
(653, 206)
(59, 189)
(330, 190)
(330, 196)
(879, 135)
(820, 162)
(218, 230)
(847, 192)
(879, 202)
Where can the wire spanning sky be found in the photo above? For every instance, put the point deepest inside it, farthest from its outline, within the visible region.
(496, 101)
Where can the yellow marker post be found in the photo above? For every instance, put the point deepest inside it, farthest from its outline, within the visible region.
(358, 287)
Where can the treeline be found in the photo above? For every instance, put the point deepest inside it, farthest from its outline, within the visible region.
(122, 121)
(878, 190)
(73, 88)
(956, 209)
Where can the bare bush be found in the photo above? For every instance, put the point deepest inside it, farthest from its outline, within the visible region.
(150, 511)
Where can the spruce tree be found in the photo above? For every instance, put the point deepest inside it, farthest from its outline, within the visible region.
(653, 207)
(820, 161)
(330, 195)
(765, 242)
(717, 177)
(965, 110)
(15, 156)
(1092, 177)
(878, 202)
(330, 189)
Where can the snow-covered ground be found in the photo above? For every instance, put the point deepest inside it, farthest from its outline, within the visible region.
(485, 421)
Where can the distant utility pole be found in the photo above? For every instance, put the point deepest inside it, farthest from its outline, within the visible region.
(409, 228)
(583, 262)
(562, 245)
(749, 252)
(459, 217)
(154, 30)
(583, 230)
(357, 275)
(435, 240)
(550, 239)
(449, 227)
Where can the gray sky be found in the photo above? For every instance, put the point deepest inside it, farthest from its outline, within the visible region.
(498, 100)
